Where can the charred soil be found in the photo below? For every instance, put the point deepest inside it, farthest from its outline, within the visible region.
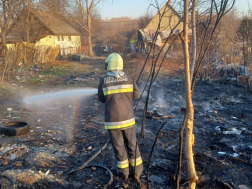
(64, 134)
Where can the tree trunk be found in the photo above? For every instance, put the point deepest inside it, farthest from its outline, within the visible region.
(193, 59)
(90, 45)
(28, 34)
(27, 29)
(189, 131)
(4, 49)
(28, 24)
(244, 63)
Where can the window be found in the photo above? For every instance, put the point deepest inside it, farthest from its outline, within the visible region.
(62, 38)
(69, 38)
(58, 38)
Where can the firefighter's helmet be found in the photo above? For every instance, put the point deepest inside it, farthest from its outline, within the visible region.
(114, 62)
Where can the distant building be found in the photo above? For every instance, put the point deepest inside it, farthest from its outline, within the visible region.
(168, 25)
(47, 34)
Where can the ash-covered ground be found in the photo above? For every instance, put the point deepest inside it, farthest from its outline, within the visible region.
(66, 133)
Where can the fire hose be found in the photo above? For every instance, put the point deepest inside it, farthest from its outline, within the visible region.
(6, 182)
(84, 165)
(110, 173)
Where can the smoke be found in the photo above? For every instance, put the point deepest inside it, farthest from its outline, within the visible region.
(165, 99)
(161, 99)
(205, 106)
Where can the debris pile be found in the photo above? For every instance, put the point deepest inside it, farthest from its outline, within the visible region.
(155, 115)
(29, 179)
(12, 154)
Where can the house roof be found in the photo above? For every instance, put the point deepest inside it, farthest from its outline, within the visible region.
(44, 23)
(173, 10)
(55, 24)
(168, 25)
(146, 34)
(169, 20)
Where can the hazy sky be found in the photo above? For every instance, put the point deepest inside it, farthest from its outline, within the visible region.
(136, 8)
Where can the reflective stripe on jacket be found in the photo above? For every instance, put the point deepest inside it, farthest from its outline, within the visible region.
(118, 93)
(118, 89)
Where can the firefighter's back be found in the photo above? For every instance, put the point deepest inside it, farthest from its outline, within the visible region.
(118, 93)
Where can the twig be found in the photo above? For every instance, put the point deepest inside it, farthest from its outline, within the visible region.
(244, 88)
(152, 152)
(153, 70)
(181, 137)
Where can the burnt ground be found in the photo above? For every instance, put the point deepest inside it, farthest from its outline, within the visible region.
(61, 132)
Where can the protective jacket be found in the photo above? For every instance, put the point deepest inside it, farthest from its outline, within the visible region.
(118, 90)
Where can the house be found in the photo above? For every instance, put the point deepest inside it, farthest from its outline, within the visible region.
(50, 36)
(168, 25)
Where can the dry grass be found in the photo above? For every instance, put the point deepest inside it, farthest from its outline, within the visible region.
(45, 160)
(173, 64)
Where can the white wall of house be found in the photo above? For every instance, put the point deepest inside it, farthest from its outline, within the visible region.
(11, 46)
(50, 47)
(68, 44)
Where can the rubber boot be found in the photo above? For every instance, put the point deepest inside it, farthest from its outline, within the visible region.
(141, 186)
(126, 177)
(120, 174)
(137, 177)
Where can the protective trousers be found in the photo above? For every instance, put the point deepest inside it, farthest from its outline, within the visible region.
(124, 144)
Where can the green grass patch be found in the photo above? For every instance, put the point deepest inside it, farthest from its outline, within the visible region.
(56, 72)
(2, 88)
(31, 79)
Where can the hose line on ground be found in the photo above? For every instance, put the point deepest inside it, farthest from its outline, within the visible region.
(84, 165)
(90, 159)
(110, 173)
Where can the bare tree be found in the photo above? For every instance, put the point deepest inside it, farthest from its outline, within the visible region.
(56, 6)
(116, 31)
(168, 15)
(28, 19)
(8, 8)
(229, 47)
(144, 20)
(192, 176)
(85, 8)
(217, 10)
(244, 34)
(30, 8)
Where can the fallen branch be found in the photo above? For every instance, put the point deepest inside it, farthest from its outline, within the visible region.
(156, 115)
(164, 117)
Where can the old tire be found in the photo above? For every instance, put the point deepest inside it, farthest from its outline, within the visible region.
(15, 128)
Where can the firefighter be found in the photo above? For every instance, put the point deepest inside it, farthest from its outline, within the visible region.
(117, 90)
